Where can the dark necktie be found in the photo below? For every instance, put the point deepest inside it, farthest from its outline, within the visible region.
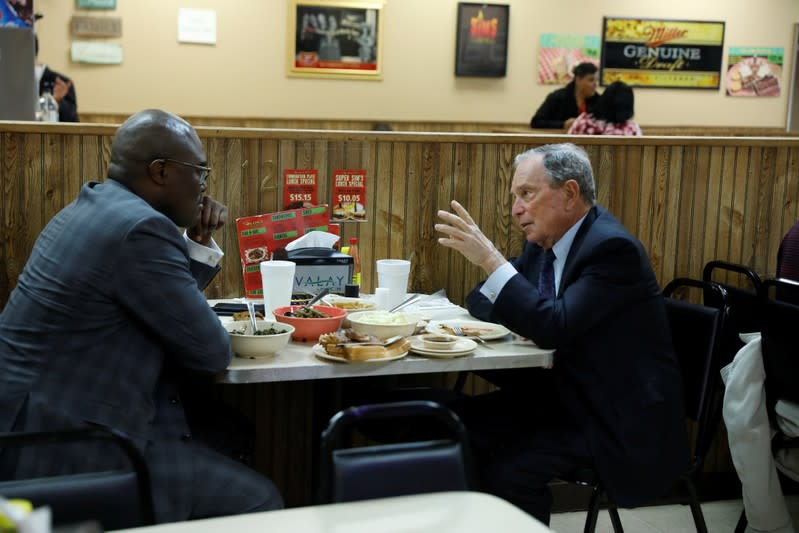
(546, 279)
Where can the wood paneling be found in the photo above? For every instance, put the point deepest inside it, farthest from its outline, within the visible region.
(472, 127)
(688, 200)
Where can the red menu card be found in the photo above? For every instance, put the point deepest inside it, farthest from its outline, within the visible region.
(260, 235)
(300, 187)
(349, 195)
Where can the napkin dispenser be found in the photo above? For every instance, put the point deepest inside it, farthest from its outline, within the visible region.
(320, 268)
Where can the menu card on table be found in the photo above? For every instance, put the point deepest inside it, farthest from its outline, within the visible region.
(260, 235)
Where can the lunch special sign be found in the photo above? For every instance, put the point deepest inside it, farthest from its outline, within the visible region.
(300, 187)
(349, 195)
(662, 53)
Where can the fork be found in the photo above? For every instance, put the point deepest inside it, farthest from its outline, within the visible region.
(458, 331)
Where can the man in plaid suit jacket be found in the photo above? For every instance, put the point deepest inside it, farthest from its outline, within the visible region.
(108, 316)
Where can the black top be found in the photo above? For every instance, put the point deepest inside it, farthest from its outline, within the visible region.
(559, 106)
(68, 106)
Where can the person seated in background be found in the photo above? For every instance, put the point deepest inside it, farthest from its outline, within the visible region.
(562, 107)
(62, 88)
(584, 286)
(108, 319)
(611, 115)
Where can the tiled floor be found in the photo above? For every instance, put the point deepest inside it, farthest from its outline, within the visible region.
(720, 516)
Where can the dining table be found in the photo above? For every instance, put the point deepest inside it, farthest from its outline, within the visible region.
(297, 361)
(294, 393)
(440, 512)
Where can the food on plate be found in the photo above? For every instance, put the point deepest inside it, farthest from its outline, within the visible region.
(245, 315)
(350, 345)
(754, 76)
(266, 331)
(307, 312)
(352, 305)
(255, 255)
(769, 86)
(468, 331)
(439, 342)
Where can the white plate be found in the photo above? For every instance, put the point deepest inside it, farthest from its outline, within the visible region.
(461, 348)
(319, 351)
(489, 331)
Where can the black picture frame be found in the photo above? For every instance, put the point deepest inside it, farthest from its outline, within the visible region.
(481, 40)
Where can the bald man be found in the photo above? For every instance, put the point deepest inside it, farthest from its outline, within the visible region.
(108, 316)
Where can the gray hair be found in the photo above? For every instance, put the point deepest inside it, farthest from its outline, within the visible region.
(564, 162)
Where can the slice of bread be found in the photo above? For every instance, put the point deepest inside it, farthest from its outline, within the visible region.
(353, 352)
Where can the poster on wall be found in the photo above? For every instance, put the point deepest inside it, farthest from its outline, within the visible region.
(559, 53)
(97, 4)
(754, 71)
(349, 195)
(481, 42)
(662, 53)
(300, 187)
(335, 39)
(16, 13)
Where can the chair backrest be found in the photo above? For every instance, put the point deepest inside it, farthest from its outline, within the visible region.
(743, 313)
(117, 499)
(695, 331)
(780, 341)
(394, 469)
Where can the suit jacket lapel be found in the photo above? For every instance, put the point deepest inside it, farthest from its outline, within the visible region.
(568, 267)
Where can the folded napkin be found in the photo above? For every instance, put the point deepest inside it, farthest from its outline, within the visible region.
(314, 239)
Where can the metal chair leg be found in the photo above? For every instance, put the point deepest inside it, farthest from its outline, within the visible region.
(593, 510)
(696, 508)
(615, 520)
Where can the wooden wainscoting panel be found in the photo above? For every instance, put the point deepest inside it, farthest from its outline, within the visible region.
(424, 204)
(417, 212)
(444, 257)
(401, 171)
(375, 236)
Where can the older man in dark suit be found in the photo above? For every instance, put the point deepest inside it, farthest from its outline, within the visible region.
(583, 286)
(108, 315)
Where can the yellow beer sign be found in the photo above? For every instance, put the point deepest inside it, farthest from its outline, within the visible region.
(662, 53)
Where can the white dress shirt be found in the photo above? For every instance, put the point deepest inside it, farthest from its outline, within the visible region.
(497, 280)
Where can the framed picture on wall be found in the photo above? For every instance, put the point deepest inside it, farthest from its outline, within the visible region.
(674, 54)
(335, 39)
(481, 43)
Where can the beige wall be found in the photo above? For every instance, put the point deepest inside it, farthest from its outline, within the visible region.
(244, 74)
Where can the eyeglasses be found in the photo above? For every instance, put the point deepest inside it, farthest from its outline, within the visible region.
(204, 171)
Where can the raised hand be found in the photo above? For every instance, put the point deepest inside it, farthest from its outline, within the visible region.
(465, 236)
(212, 217)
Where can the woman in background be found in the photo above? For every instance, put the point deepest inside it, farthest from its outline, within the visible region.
(612, 114)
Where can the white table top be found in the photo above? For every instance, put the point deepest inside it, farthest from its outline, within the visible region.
(296, 362)
(462, 512)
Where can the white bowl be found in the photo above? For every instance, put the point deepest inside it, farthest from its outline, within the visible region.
(384, 324)
(247, 345)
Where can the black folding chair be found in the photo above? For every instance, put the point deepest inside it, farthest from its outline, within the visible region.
(439, 463)
(695, 331)
(780, 317)
(117, 499)
(743, 306)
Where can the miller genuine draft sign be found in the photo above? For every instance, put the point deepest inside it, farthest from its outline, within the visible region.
(662, 53)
